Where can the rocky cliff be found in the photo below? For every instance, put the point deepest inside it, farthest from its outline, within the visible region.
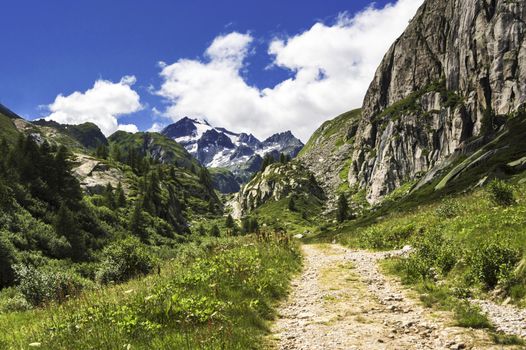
(276, 182)
(448, 84)
(327, 154)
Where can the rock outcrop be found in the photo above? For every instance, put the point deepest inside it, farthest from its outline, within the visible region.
(94, 175)
(276, 182)
(454, 76)
(327, 154)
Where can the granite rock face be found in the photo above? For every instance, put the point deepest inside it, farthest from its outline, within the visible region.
(276, 182)
(454, 76)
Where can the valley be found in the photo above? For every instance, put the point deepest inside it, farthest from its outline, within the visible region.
(397, 225)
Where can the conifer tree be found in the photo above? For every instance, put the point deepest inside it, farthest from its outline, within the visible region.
(292, 204)
(343, 209)
(120, 196)
(201, 230)
(214, 232)
(109, 197)
(229, 222)
(138, 222)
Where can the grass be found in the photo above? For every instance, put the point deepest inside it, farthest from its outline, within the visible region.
(459, 244)
(470, 316)
(304, 218)
(216, 294)
(334, 130)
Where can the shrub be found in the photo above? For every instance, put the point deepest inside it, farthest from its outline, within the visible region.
(432, 254)
(448, 209)
(124, 260)
(501, 193)
(43, 285)
(493, 262)
(380, 237)
(7, 259)
(12, 300)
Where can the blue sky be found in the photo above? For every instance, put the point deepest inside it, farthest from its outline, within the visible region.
(61, 47)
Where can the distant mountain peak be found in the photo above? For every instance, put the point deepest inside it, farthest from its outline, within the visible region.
(218, 147)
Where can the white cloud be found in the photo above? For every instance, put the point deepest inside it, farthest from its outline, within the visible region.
(332, 67)
(103, 104)
(157, 127)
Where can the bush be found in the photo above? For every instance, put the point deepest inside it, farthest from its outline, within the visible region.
(124, 260)
(7, 259)
(493, 262)
(12, 300)
(448, 209)
(376, 237)
(432, 254)
(44, 285)
(501, 193)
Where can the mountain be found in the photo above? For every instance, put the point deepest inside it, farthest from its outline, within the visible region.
(450, 85)
(59, 186)
(240, 153)
(328, 152)
(269, 193)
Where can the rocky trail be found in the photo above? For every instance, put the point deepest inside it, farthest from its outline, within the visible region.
(342, 301)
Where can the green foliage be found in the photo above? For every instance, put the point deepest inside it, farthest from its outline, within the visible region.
(217, 294)
(501, 193)
(292, 204)
(267, 160)
(470, 316)
(386, 236)
(493, 261)
(342, 212)
(215, 232)
(7, 260)
(229, 222)
(102, 151)
(124, 260)
(44, 285)
(433, 255)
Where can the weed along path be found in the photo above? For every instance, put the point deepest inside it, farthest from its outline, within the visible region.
(342, 301)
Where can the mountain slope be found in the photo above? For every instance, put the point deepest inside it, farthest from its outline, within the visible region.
(445, 87)
(327, 153)
(240, 153)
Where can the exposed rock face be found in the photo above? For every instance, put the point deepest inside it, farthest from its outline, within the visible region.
(455, 73)
(95, 175)
(278, 181)
(328, 151)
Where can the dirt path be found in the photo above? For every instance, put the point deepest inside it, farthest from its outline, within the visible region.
(342, 301)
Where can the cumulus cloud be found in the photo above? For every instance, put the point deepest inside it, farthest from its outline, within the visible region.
(332, 66)
(103, 104)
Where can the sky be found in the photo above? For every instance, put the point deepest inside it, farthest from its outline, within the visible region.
(251, 66)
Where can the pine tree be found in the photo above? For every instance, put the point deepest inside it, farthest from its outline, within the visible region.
(102, 151)
(109, 198)
(282, 158)
(267, 160)
(65, 222)
(120, 196)
(229, 222)
(116, 153)
(292, 204)
(245, 225)
(201, 230)
(343, 209)
(66, 225)
(254, 225)
(7, 260)
(214, 232)
(138, 222)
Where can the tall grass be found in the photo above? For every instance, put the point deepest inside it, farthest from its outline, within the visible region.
(217, 294)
